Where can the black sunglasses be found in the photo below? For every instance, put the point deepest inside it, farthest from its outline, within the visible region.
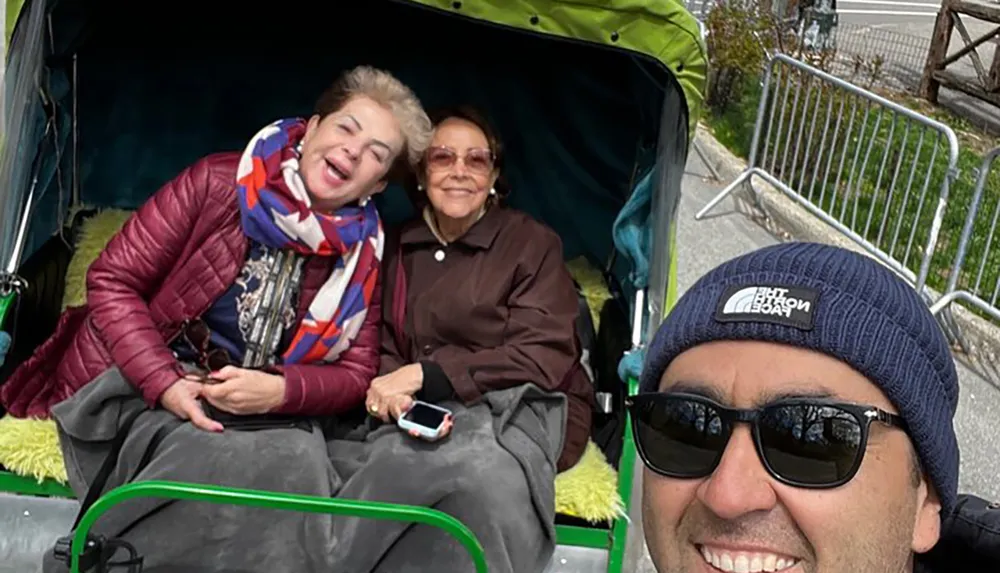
(810, 443)
(197, 334)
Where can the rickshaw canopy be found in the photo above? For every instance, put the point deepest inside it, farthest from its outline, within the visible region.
(589, 96)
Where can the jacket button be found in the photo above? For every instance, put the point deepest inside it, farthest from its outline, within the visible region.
(427, 349)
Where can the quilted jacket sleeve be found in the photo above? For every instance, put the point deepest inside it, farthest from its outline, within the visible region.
(123, 278)
(325, 389)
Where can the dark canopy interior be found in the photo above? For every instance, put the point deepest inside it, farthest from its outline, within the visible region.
(163, 84)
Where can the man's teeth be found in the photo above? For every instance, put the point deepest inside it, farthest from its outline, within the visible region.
(742, 562)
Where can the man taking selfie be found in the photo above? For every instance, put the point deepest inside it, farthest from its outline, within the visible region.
(795, 415)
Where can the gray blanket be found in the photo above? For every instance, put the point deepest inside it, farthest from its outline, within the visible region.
(495, 473)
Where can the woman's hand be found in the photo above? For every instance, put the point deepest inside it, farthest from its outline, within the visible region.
(241, 391)
(392, 394)
(181, 399)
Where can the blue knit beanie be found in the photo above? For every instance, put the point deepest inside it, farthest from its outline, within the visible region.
(842, 304)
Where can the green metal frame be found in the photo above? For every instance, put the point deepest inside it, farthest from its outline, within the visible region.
(13, 483)
(275, 500)
(626, 468)
(5, 302)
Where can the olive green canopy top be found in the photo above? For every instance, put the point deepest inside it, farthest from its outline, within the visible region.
(661, 29)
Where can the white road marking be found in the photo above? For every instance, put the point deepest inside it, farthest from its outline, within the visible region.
(887, 13)
(891, 3)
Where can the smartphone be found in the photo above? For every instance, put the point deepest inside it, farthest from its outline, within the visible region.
(426, 419)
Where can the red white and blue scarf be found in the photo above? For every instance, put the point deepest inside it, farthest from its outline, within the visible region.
(275, 211)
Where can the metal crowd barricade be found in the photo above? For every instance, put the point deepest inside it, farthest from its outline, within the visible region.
(978, 283)
(874, 170)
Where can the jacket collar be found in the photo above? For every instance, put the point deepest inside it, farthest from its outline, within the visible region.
(970, 536)
(480, 236)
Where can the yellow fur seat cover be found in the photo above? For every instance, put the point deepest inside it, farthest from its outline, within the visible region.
(30, 448)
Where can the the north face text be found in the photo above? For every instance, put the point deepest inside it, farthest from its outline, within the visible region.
(790, 306)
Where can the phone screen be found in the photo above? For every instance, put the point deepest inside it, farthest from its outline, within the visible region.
(425, 416)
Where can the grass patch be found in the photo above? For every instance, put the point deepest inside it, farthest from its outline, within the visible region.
(733, 127)
(889, 216)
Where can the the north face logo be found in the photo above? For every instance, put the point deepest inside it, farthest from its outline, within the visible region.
(777, 304)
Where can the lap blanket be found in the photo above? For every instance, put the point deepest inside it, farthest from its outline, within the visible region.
(589, 490)
(495, 473)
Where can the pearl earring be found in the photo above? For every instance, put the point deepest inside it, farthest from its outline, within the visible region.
(363, 201)
(493, 191)
(420, 187)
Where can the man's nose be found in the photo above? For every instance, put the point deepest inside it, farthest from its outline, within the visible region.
(740, 484)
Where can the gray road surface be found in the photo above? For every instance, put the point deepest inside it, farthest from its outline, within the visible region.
(705, 244)
(914, 21)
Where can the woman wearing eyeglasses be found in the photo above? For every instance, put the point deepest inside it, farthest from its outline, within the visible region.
(478, 305)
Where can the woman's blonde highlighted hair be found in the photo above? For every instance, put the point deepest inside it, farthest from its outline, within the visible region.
(384, 89)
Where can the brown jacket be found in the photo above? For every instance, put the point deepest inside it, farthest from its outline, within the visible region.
(492, 310)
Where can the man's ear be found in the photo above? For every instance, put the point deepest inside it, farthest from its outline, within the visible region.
(927, 521)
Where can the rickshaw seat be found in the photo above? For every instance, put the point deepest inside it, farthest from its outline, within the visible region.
(586, 494)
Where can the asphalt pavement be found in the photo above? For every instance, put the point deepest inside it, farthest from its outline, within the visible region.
(707, 243)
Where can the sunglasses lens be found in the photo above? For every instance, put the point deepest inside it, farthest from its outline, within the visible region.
(680, 437)
(217, 359)
(811, 445)
(440, 158)
(479, 161)
(198, 335)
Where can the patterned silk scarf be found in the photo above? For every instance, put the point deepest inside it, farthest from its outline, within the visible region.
(275, 211)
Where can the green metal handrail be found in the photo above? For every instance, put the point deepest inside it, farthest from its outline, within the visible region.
(626, 470)
(275, 500)
(5, 301)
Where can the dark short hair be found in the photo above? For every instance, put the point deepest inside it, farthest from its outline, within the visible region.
(476, 117)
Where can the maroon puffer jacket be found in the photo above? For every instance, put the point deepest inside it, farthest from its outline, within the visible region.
(179, 253)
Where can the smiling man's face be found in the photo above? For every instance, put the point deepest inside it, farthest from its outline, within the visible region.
(742, 519)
